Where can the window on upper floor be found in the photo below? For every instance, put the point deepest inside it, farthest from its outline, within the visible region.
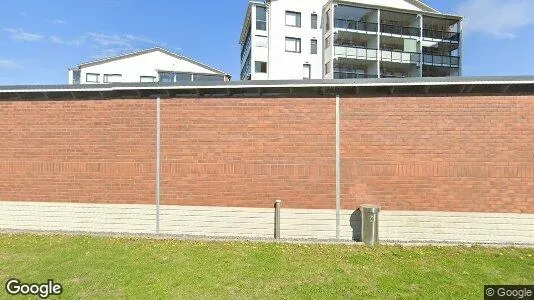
(183, 77)
(92, 77)
(260, 67)
(207, 77)
(293, 18)
(166, 77)
(313, 43)
(261, 41)
(261, 18)
(147, 79)
(314, 21)
(110, 78)
(76, 77)
(293, 44)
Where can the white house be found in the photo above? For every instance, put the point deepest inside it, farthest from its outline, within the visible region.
(151, 65)
(316, 39)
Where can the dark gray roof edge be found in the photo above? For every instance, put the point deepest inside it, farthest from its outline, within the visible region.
(391, 82)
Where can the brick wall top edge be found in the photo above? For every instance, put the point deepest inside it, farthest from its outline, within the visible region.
(274, 98)
(391, 90)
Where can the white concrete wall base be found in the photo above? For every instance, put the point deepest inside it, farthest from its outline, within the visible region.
(320, 224)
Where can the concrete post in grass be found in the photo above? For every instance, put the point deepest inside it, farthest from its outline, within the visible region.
(277, 207)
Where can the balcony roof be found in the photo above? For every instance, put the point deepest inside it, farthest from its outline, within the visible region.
(290, 88)
(427, 12)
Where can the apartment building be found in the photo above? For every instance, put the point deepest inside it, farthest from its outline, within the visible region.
(282, 40)
(332, 39)
(150, 65)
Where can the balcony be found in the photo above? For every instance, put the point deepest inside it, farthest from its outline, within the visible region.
(400, 30)
(393, 76)
(356, 25)
(441, 35)
(441, 60)
(355, 52)
(349, 75)
(401, 57)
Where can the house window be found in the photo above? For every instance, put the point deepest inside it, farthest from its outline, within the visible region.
(148, 79)
(292, 45)
(313, 46)
(110, 78)
(293, 18)
(76, 75)
(166, 77)
(261, 41)
(92, 77)
(327, 42)
(306, 71)
(260, 67)
(314, 21)
(184, 77)
(207, 77)
(261, 18)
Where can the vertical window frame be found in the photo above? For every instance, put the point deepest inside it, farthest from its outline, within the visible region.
(263, 27)
(314, 21)
(314, 46)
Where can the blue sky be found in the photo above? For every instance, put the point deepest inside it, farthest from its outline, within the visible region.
(40, 39)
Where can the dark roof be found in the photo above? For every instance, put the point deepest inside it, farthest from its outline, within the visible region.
(390, 86)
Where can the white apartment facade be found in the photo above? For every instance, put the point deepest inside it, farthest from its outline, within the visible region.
(151, 65)
(351, 39)
(282, 39)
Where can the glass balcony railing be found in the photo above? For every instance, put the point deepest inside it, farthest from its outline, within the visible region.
(356, 25)
(352, 75)
(441, 35)
(392, 76)
(400, 30)
(372, 54)
(400, 56)
(355, 52)
(441, 60)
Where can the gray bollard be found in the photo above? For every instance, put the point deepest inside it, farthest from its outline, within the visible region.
(277, 207)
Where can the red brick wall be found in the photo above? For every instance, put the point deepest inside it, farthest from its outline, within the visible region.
(422, 153)
(77, 151)
(249, 152)
(439, 153)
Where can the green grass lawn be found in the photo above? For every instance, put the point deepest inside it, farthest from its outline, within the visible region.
(103, 267)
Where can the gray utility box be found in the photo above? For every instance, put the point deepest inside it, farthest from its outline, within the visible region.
(370, 223)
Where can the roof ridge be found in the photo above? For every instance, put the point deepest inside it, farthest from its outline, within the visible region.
(144, 51)
(425, 5)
